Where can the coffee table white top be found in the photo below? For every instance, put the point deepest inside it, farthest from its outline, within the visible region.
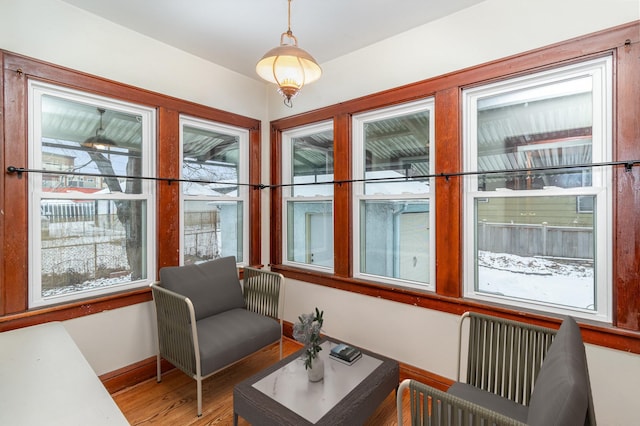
(290, 386)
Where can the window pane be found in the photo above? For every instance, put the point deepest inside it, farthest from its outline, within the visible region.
(395, 148)
(536, 249)
(394, 239)
(546, 125)
(84, 138)
(312, 162)
(212, 230)
(310, 232)
(211, 157)
(86, 245)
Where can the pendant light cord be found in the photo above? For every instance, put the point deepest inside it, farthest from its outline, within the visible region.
(289, 17)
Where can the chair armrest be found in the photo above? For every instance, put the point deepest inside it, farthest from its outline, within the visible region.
(429, 405)
(177, 335)
(262, 290)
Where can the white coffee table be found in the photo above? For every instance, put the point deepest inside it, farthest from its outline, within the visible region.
(348, 394)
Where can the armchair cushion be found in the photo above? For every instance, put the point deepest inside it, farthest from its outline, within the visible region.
(489, 400)
(233, 335)
(212, 286)
(560, 395)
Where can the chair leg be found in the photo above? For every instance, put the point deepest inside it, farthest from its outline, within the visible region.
(199, 385)
(158, 369)
(280, 347)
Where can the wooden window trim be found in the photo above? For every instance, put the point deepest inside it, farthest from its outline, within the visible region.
(15, 72)
(623, 43)
(74, 309)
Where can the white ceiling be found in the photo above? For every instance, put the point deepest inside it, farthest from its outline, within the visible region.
(236, 33)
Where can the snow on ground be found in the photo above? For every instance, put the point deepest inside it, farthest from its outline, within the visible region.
(87, 285)
(532, 278)
(529, 278)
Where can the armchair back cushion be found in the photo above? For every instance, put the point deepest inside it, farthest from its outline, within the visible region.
(561, 392)
(212, 286)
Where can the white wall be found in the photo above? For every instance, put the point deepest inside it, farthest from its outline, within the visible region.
(400, 331)
(117, 338)
(56, 32)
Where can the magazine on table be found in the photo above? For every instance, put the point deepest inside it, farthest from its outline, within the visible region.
(346, 354)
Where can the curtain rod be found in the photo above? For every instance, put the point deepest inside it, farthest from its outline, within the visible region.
(628, 165)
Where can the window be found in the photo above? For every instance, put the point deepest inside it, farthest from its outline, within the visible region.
(91, 220)
(540, 237)
(214, 195)
(393, 218)
(307, 199)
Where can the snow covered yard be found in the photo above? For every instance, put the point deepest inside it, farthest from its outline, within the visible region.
(567, 283)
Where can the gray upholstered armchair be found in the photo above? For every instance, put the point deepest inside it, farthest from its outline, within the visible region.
(517, 374)
(207, 321)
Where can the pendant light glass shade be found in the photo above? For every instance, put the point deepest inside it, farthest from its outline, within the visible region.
(99, 141)
(288, 66)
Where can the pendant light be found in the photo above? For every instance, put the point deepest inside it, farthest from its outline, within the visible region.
(288, 66)
(99, 141)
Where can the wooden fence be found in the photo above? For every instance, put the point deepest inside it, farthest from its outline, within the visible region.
(536, 240)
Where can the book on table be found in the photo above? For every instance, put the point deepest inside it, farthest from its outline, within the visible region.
(346, 354)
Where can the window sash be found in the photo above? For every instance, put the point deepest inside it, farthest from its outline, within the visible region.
(409, 191)
(301, 253)
(593, 185)
(91, 272)
(231, 205)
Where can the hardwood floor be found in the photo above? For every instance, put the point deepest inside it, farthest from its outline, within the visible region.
(173, 401)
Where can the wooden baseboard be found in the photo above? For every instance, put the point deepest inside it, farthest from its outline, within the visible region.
(133, 374)
(143, 370)
(146, 369)
(410, 372)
